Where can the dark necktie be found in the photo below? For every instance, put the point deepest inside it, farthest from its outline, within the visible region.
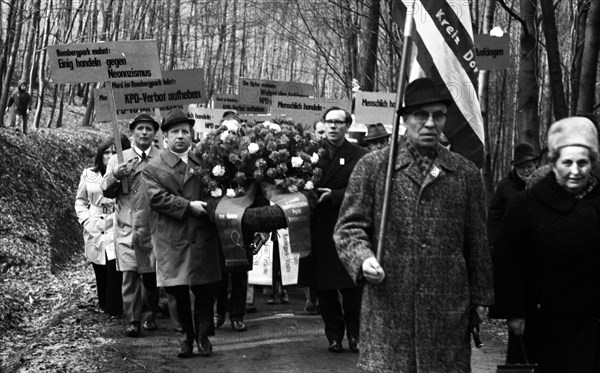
(144, 157)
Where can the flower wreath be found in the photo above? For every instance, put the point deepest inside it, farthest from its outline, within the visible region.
(276, 152)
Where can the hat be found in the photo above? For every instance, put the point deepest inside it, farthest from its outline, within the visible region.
(175, 116)
(21, 82)
(143, 118)
(523, 152)
(422, 91)
(376, 132)
(572, 131)
(356, 136)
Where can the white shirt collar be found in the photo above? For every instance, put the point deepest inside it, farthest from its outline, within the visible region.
(183, 156)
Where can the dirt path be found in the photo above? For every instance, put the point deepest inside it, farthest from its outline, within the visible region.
(79, 338)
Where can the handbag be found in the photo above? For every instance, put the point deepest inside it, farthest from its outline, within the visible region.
(519, 368)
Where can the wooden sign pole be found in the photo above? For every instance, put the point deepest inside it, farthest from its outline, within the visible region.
(117, 135)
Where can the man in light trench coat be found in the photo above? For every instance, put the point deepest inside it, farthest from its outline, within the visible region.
(185, 240)
(135, 257)
(436, 267)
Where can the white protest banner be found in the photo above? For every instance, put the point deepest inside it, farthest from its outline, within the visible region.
(374, 107)
(224, 101)
(176, 89)
(262, 262)
(305, 110)
(258, 92)
(206, 120)
(102, 62)
(492, 52)
(230, 102)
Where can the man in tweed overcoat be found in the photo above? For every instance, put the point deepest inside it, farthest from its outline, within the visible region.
(436, 264)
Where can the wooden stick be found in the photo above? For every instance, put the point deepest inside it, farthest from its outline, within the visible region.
(408, 29)
(117, 135)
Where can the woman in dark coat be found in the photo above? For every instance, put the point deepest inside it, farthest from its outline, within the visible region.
(547, 282)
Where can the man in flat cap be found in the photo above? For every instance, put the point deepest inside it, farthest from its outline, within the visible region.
(135, 257)
(184, 238)
(436, 267)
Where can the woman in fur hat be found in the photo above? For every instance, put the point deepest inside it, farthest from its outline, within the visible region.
(547, 282)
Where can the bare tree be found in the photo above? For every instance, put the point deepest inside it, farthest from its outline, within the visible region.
(589, 63)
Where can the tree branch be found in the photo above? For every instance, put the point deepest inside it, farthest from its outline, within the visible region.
(514, 15)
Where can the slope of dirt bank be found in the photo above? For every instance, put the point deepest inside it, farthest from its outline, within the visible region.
(39, 233)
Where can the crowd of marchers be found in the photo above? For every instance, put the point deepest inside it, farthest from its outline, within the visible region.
(532, 258)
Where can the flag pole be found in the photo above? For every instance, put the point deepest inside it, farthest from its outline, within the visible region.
(408, 29)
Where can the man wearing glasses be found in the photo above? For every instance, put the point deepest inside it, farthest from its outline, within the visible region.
(436, 268)
(332, 279)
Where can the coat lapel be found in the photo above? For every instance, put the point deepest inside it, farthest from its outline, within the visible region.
(192, 168)
(344, 155)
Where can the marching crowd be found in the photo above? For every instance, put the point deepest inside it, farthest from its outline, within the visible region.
(532, 258)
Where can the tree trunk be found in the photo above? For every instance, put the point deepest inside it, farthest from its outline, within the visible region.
(11, 61)
(554, 68)
(484, 80)
(370, 36)
(174, 34)
(577, 52)
(589, 63)
(232, 77)
(41, 68)
(528, 84)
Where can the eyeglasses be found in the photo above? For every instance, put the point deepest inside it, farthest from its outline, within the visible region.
(334, 121)
(422, 116)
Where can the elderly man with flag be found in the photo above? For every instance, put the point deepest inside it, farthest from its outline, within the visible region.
(436, 267)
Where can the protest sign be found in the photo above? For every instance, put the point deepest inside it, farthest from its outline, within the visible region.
(258, 92)
(305, 110)
(374, 107)
(104, 62)
(492, 52)
(206, 120)
(230, 102)
(176, 89)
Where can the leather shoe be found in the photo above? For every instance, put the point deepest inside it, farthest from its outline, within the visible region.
(238, 326)
(219, 320)
(149, 325)
(353, 344)
(284, 297)
(335, 346)
(133, 330)
(204, 346)
(186, 349)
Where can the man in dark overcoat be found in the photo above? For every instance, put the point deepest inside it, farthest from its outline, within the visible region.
(135, 257)
(337, 164)
(436, 266)
(185, 240)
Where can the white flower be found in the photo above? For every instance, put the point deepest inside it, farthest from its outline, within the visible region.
(230, 193)
(253, 148)
(267, 123)
(296, 162)
(293, 188)
(218, 192)
(218, 170)
(274, 126)
(231, 124)
(314, 159)
(224, 135)
(309, 185)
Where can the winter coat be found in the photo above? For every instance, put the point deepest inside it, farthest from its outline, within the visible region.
(96, 214)
(330, 273)
(186, 245)
(548, 257)
(506, 191)
(132, 231)
(22, 101)
(435, 257)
